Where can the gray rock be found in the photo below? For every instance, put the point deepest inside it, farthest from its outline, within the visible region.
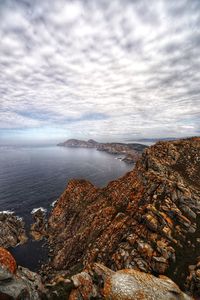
(12, 230)
(22, 285)
(5, 274)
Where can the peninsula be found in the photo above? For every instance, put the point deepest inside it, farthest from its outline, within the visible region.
(128, 152)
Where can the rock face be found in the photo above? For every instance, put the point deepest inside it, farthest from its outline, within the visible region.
(130, 152)
(125, 284)
(12, 230)
(147, 220)
(18, 283)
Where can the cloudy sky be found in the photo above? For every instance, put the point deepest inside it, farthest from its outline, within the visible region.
(109, 70)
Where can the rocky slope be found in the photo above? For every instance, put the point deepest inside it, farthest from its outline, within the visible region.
(148, 220)
(18, 283)
(129, 152)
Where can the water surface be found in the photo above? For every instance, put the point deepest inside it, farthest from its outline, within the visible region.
(36, 176)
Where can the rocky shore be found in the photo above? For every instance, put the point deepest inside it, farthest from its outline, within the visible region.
(129, 152)
(137, 238)
(12, 230)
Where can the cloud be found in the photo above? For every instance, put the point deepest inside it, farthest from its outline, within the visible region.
(102, 69)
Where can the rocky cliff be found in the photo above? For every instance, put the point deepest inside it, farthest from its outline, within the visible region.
(129, 152)
(148, 220)
(105, 242)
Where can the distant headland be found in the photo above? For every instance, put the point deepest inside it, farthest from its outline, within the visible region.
(128, 152)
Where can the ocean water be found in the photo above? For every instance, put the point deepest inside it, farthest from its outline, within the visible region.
(31, 177)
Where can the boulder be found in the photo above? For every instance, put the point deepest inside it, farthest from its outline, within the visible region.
(17, 283)
(127, 284)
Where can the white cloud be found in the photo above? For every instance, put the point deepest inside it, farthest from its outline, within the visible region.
(109, 70)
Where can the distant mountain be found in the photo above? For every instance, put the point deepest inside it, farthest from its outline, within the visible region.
(129, 152)
(79, 143)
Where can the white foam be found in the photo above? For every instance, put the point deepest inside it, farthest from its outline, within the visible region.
(39, 208)
(7, 212)
(53, 203)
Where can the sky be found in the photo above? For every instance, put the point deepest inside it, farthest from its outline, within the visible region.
(107, 70)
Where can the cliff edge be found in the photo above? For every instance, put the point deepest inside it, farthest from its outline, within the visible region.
(148, 220)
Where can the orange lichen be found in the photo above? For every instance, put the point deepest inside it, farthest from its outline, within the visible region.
(7, 260)
(140, 221)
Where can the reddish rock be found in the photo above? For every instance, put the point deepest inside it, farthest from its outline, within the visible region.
(7, 260)
(146, 220)
(85, 288)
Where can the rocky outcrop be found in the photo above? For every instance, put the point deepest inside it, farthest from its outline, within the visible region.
(147, 220)
(130, 152)
(98, 282)
(125, 284)
(18, 282)
(38, 228)
(12, 230)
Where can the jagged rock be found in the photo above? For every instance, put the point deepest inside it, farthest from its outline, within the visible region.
(158, 204)
(38, 228)
(17, 283)
(12, 230)
(124, 285)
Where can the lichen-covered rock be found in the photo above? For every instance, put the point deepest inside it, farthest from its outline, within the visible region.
(125, 284)
(12, 230)
(147, 220)
(7, 260)
(17, 283)
(134, 285)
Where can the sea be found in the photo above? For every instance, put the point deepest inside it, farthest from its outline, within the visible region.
(35, 176)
